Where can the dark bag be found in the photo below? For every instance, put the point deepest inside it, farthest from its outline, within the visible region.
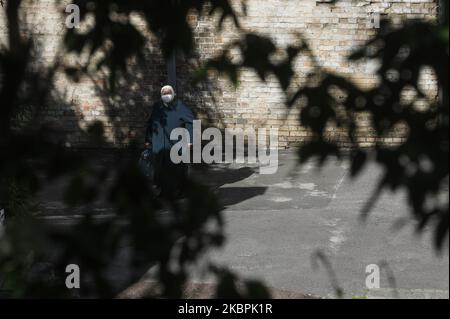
(146, 163)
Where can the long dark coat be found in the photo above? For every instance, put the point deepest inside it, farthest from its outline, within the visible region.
(169, 176)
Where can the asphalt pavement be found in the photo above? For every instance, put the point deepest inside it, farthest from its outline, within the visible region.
(300, 231)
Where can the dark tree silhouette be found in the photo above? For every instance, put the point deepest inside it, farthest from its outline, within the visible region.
(30, 157)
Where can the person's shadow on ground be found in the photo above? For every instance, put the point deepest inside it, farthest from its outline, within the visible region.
(217, 177)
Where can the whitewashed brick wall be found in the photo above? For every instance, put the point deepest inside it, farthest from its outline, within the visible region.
(331, 30)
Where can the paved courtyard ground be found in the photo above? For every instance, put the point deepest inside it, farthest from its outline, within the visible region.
(276, 233)
(276, 224)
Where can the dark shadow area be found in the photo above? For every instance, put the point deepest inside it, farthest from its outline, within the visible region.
(219, 176)
(216, 177)
(233, 195)
(105, 216)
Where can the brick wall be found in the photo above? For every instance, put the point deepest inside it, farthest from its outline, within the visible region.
(332, 31)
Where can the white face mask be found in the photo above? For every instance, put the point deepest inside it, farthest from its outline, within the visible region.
(167, 98)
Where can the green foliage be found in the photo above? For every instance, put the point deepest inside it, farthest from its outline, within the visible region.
(115, 35)
(420, 163)
(257, 52)
(30, 157)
